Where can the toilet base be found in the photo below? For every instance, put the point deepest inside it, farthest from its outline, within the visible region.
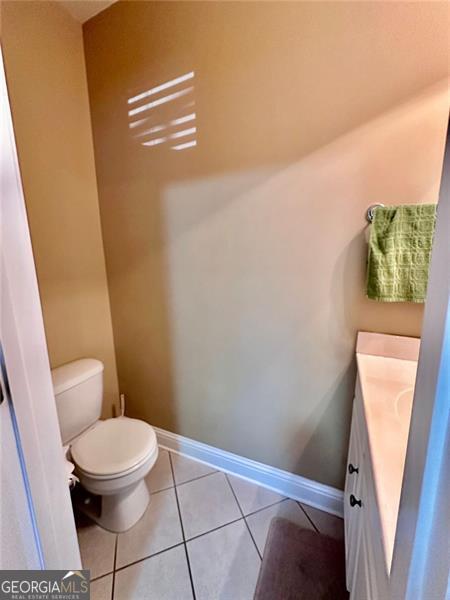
(118, 512)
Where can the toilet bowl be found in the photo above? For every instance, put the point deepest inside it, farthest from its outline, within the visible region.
(111, 460)
(112, 456)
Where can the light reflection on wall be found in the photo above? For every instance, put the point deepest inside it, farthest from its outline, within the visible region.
(165, 114)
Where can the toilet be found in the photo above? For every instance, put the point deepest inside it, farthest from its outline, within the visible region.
(111, 456)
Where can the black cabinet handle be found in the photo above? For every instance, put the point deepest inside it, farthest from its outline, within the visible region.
(354, 501)
(352, 469)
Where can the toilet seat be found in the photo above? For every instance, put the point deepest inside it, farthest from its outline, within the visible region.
(114, 447)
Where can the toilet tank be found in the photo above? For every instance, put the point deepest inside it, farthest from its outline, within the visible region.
(78, 389)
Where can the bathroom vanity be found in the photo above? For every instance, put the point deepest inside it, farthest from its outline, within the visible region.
(382, 407)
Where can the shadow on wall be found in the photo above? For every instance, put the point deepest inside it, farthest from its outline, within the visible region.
(236, 264)
(316, 440)
(261, 310)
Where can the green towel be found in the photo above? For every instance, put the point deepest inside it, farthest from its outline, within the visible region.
(399, 252)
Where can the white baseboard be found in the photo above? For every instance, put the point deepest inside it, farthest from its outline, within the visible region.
(288, 484)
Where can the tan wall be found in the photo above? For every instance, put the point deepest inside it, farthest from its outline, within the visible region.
(236, 267)
(43, 49)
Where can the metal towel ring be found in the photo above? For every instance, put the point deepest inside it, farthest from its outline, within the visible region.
(371, 211)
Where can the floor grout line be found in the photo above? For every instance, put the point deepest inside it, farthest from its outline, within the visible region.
(243, 516)
(307, 516)
(101, 576)
(139, 560)
(177, 500)
(114, 566)
(255, 512)
(196, 478)
(153, 492)
(167, 549)
(182, 530)
(175, 484)
(199, 535)
(189, 569)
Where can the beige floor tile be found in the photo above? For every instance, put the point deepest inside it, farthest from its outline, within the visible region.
(251, 496)
(326, 523)
(162, 577)
(259, 522)
(186, 469)
(160, 477)
(206, 503)
(97, 547)
(158, 529)
(224, 564)
(101, 588)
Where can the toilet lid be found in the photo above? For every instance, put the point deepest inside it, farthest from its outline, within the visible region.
(114, 446)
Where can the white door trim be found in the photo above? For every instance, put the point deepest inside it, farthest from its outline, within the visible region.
(288, 484)
(27, 364)
(420, 561)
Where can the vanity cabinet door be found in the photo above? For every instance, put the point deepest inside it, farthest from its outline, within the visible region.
(361, 588)
(358, 577)
(352, 514)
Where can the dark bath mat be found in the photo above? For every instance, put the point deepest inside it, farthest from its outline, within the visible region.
(300, 564)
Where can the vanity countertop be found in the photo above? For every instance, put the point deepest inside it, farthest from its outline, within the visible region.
(387, 368)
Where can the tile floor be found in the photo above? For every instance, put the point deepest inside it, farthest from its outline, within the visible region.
(201, 537)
